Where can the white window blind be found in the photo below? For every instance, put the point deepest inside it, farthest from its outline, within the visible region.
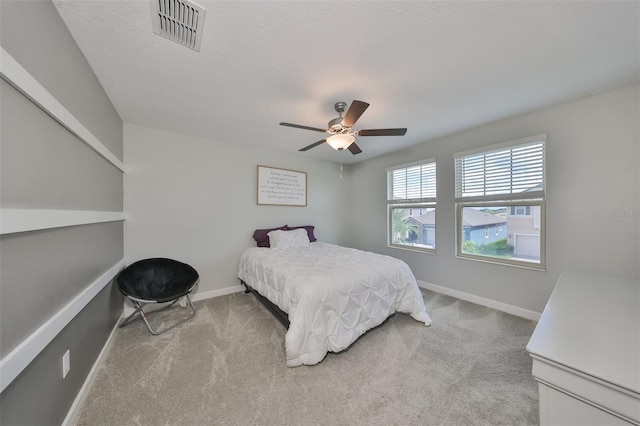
(505, 172)
(412, 183)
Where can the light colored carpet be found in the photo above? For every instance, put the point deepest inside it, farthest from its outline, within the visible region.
(227, 367)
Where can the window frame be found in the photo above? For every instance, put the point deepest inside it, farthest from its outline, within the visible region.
(422, 202)
(508, 200)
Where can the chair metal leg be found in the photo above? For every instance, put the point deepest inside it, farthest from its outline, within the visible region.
(129, 318)
(140, 312)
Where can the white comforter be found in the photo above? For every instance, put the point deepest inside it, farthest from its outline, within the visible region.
(332, 294)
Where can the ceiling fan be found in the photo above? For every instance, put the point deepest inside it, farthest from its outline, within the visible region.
(342, 136)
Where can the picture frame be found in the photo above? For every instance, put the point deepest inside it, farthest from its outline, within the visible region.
(281, 187)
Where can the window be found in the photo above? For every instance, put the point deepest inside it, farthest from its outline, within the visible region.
(411, 204)
(520, 210)
(501, 188)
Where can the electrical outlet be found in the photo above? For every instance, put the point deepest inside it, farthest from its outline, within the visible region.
(66, 364)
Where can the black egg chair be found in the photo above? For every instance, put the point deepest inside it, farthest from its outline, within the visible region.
(157, 280)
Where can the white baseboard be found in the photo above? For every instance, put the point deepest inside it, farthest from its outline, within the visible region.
(216, 293)
(74, 410)
(504, 307)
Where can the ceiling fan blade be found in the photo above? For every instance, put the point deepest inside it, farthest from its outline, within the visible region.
(298, 126)
(313, 145)
(354, 112)
(355, 149)
(382, 132)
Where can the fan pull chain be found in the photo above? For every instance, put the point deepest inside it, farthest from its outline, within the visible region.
(341, 169)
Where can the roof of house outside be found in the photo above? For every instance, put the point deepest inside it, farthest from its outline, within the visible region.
(425, 219)
(472, 218)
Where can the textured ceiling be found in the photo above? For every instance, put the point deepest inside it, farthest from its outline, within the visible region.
(435, 67)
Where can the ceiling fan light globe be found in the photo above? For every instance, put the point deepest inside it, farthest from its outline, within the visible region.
(341, 141)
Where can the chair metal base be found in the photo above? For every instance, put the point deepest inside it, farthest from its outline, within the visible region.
(139, 312)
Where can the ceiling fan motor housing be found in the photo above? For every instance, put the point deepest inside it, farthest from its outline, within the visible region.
(335, 126)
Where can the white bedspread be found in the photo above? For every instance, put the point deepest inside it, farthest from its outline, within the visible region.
(332, 294)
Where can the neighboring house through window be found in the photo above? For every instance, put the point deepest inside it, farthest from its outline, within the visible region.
(411, 204)
(502, 188)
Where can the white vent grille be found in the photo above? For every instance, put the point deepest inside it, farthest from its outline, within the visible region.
(178, 20)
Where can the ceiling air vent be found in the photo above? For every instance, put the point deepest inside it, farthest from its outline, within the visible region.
(178, 20)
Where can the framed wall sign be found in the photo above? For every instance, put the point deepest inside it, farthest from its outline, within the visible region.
(281, 187)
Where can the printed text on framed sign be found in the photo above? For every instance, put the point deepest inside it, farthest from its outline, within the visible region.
(281, 187)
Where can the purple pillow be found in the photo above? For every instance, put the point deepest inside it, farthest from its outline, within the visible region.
(261, 237)
(309, 230)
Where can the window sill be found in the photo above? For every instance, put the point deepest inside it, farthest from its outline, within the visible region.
(514, 264)
(414, 249)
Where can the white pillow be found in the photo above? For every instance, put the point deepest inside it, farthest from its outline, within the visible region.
(288, 239)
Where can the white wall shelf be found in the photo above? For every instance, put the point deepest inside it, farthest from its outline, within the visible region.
(20, 357)
(21, 79)
(25, 220)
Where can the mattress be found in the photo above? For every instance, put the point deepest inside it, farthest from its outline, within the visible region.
(332, 294)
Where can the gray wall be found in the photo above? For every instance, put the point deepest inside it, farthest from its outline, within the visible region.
(592, 168)
(43, 166)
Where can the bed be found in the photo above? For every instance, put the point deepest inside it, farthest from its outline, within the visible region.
(329, 295)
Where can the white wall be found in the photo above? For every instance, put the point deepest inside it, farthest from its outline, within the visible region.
(194, 200)
(592, 167)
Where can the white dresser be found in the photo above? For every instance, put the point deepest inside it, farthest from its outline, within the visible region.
(586, 352)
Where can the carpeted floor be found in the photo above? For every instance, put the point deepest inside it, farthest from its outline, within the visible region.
(227, 367)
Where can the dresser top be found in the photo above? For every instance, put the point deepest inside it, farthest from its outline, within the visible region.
(592, 324)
